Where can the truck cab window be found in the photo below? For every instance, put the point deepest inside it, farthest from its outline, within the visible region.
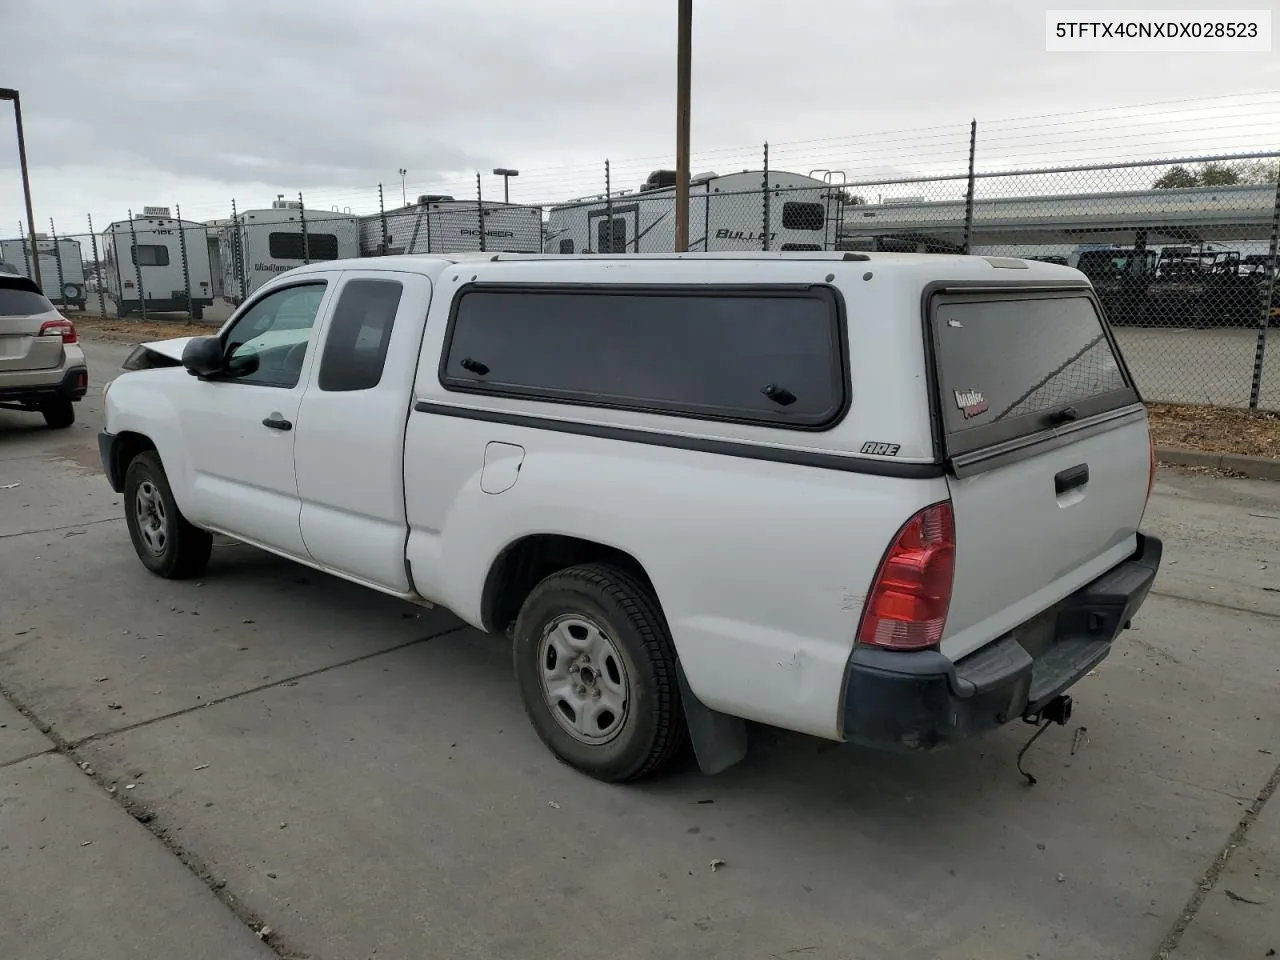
(268, 344)
(355, 347)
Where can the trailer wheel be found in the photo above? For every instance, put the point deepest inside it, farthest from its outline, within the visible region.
(197, 312)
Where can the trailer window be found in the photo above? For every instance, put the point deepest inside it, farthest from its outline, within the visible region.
(802, 216)
(355, 348)
(1005, 366)
(770, 357)
(289, 246)
(151, 255)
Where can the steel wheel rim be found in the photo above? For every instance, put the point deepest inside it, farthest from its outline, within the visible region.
(152, 520)
(583, 679)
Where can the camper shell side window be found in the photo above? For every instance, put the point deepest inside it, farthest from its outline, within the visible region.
(767, 355)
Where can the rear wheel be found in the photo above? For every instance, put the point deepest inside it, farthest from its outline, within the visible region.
(596, 669)
(166, 543)
(59, 414)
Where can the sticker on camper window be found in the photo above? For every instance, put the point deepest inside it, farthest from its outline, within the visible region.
(971, 403)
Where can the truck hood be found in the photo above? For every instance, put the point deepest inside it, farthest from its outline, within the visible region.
(169, 348)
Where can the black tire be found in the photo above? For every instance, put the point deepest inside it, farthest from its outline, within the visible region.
(59, 414)
(652, 730)
(197, 313)
(184, 549)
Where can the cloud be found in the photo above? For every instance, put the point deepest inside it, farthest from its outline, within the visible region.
(131, 102)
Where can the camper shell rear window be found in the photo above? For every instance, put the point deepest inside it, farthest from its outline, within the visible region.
(768, 355)
(1016, 363)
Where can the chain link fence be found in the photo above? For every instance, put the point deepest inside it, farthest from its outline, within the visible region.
(1183, 253)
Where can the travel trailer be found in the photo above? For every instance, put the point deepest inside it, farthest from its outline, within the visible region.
(726, 213)
(61, 267)
(441, 224)
(260, 244)
(157, 261)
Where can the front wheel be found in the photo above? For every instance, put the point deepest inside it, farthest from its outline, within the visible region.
(597, 673)
(166, 543)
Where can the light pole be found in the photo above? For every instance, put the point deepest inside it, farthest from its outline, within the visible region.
(7, 94)
(684, 56)
(506, 174)
(403, 198)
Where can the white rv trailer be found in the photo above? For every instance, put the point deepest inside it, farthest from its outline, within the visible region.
(441, 224)
(61, 267)
(167, 258)
(725, 213)
(261, 244)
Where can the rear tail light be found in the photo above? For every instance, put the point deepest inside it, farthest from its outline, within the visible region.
(63, 328)
(907, 606)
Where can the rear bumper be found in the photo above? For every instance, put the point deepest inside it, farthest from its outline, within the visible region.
(917, 701)
(70, 384)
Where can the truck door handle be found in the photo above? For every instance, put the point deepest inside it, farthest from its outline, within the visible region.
(276, 422)
(1071, 478)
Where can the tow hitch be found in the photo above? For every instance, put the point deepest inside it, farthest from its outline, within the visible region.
(1057, 710)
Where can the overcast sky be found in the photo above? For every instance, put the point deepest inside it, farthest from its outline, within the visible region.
(134, 102)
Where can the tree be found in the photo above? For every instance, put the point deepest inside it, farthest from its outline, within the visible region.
(1215, 173)
(1177, 178)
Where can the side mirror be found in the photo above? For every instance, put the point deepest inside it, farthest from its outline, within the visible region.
(202, 356)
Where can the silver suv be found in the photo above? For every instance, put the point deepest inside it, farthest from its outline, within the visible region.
(42, 367)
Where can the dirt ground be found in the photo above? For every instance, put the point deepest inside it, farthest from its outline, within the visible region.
(136, 331)
(1216, 429)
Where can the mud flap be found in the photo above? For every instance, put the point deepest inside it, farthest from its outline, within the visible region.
(719, 740)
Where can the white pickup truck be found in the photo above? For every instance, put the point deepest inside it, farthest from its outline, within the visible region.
(887, 499)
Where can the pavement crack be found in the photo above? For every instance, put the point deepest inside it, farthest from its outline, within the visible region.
(1209, 879)
(69, 526)
(283, 681)
(30, 756)
(1216, 603)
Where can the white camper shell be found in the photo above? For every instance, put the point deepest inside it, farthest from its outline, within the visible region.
(61, 267)
(157, 261)
(726, 213)
(441, 224)
(261, 244)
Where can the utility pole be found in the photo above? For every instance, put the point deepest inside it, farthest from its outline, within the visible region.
(684, 56)
(404, 199)
(7, 94)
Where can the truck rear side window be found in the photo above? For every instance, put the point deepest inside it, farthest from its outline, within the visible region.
(151, 255)
(289, 246)
(355, 348)
(1013, 365)
(757, 355)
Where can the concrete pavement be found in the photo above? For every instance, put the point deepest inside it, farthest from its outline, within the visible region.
(358, 774)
